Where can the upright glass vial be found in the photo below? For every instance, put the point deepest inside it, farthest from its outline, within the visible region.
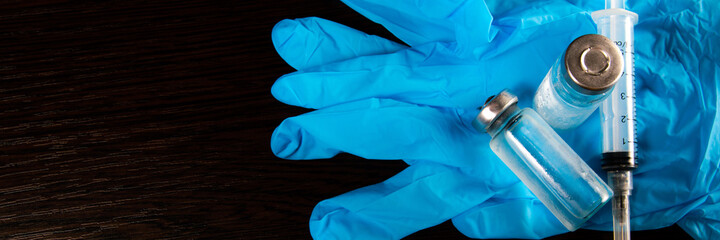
(578, 81)
(562, 181)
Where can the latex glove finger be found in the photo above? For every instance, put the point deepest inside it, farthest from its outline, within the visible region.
(431, 74)
(389, 129)
(309, 42)
(421, 196)
(513, 213)
(418, 22)
(386, 129)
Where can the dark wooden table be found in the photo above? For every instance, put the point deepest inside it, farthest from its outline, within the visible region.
(152, 120)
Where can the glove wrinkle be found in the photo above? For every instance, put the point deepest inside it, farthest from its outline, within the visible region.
(704, 221)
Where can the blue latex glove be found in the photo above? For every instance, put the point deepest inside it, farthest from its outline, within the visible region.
(419, 116)
(382, 100)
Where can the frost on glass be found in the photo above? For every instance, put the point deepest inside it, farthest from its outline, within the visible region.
(561, 106)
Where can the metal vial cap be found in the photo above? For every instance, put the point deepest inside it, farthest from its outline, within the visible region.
(492, 112)
(594, 64)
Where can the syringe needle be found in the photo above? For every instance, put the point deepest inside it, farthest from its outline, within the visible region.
(621, 183)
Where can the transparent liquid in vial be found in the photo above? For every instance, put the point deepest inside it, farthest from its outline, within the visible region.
(562, 181)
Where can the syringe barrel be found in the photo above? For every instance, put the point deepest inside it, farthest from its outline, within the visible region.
(618, 111)
(617, 115)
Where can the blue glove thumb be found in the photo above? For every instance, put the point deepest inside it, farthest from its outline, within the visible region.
(421, 196)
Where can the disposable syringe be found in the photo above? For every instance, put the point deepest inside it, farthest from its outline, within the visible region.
(618, 114)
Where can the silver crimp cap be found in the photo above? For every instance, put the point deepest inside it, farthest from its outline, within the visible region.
(493, 109)
(594, 64)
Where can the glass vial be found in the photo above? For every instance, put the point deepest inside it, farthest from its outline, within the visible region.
(562, 181)
(578, 81)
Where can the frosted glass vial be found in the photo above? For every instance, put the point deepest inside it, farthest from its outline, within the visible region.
(578, 81)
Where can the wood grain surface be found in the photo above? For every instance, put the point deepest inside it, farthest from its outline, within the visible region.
(152, 120)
